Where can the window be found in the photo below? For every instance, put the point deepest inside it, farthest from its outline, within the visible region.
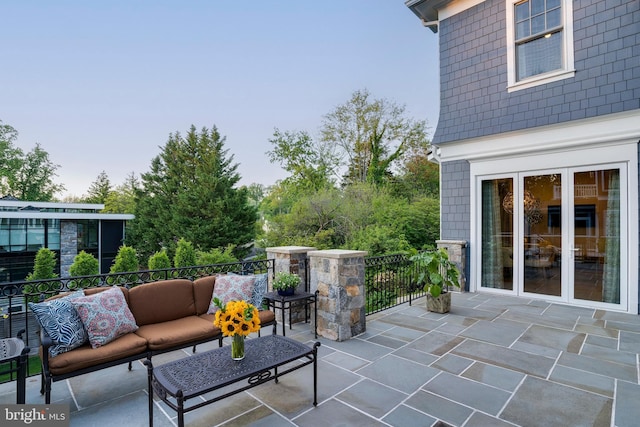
(540, 42)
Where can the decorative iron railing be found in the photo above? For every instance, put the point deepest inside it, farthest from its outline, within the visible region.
(390, 280)
(15, 296)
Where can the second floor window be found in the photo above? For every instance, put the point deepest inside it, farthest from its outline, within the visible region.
(538, 36)
(540, 42)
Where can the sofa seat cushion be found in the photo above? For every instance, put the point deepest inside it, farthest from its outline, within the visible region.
(85, 356)
(177, 333)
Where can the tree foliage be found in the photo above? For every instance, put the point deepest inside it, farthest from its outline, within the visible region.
(216, 256)
(99, 189)
(190, 192)
(122, 198)
(26, 176)
(373, 134)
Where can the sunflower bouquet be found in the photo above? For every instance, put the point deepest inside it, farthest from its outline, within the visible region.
(236, 319)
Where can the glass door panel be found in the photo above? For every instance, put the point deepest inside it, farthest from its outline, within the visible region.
(596, 239)
(542, 234)
(497, 234)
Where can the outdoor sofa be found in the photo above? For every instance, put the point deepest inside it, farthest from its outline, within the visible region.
(168, 315)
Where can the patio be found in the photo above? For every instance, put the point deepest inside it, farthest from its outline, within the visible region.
(492, 361)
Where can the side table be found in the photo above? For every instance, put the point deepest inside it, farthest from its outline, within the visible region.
(13, 350)
(283, 302)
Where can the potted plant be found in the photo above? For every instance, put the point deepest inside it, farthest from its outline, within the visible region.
(437, 273)
(285, 283)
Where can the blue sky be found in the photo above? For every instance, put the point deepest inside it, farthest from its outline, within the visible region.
(101, 84)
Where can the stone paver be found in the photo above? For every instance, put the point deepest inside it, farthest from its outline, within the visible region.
(493, 361)
(539, 403)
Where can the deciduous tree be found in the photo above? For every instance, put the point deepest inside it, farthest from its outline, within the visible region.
(373, 134)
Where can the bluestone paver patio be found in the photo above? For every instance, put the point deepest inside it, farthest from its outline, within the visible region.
(492, 361)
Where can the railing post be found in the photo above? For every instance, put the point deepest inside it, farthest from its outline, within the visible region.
(338, 276)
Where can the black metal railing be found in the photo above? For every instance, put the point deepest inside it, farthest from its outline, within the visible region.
(390, 280)
(15, 296)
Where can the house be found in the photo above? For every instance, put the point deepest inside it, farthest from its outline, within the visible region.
(65, 228)
(538, 140)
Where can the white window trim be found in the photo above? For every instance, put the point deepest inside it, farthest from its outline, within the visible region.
(569, 69)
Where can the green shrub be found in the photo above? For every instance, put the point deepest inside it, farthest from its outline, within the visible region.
(125, 260)
(44, 265)
(84, 264)
(216, 256)
(185, 254)
(160, 260)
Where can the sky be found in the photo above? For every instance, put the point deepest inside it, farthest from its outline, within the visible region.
(101, 84)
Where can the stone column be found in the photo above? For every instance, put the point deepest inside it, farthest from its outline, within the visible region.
(68, 245)
(457, 251)
(338, 276)
(291, 259)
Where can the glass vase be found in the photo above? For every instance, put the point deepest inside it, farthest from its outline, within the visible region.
(237, 347)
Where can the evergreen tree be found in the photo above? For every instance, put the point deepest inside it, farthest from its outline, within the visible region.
(190, 192)
(126, 260)
(99, 189)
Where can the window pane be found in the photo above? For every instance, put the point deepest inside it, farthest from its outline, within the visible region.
(537, 6)
(553, 18)
(497, 234)
(537, 24)
(552, 3)
(522, 11)
(522, 30)
(539, 56)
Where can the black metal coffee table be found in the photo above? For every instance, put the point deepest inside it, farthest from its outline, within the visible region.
(181, 380)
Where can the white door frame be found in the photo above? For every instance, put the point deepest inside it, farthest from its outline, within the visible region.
(590, 157)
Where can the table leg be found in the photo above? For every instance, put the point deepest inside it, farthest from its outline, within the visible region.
(21, 381)
(283, 326)
(150, 389)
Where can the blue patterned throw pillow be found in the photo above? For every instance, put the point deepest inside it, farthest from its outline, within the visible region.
(61, 322)
(259, 289)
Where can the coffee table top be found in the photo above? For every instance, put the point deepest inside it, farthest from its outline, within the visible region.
(211, 370)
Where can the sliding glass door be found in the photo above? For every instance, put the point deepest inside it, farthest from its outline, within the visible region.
(556, 234)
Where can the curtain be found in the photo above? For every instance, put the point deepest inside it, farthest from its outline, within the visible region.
(611, 270)
(492, 257)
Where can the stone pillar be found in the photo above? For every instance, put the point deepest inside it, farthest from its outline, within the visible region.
(291, 259)
(457, 251)
(68, 245)
(338, 276)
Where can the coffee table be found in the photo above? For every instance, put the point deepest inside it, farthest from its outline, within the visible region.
(184, 379)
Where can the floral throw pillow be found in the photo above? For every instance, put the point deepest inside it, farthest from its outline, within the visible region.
(105, 316)
(60, 320)
(232, 287)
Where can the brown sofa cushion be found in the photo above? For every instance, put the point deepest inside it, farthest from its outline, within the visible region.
(85, 356)
(162, 301)
(203, 292)
(176, 333)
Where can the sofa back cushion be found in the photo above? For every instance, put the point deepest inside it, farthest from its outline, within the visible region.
(202, 293)
(162, 301)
